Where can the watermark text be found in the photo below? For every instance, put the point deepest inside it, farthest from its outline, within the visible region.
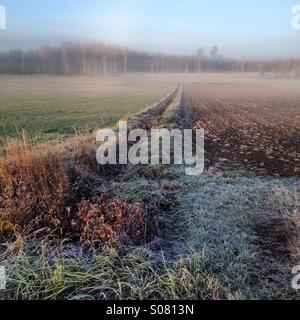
(296, 17)
(162, 146)
(296, 278)
(2, 278)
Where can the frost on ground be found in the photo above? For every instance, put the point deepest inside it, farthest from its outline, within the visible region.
(207, 247)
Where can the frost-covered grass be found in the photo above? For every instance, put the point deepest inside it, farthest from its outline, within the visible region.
(211, 250)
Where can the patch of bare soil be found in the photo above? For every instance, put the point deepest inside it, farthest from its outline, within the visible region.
(279, 237)
(247, 128)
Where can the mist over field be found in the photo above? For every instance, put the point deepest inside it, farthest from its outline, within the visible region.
(209, 207)
(242, 29)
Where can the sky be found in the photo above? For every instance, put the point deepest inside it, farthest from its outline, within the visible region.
(241, 28)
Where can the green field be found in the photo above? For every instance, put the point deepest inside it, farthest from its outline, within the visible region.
(52, 108)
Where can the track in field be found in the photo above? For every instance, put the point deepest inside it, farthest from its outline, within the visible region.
(254, 128)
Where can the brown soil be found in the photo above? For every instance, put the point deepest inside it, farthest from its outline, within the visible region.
(252, 127)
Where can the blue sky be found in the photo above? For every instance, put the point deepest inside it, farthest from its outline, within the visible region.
(239, 27)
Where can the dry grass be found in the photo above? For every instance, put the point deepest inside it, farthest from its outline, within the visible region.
(34, 188)
(47, 192)
(111, 222)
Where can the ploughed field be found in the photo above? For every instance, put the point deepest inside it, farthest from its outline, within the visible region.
(246, 125)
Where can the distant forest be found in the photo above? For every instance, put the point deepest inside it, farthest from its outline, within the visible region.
(93, 59)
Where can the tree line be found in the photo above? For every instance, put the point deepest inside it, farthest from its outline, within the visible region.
(98, 58)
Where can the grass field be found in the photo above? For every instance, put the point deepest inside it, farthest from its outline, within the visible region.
(51, 108)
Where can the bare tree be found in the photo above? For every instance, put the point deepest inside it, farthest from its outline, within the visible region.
(200, 55)
(214, 52)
